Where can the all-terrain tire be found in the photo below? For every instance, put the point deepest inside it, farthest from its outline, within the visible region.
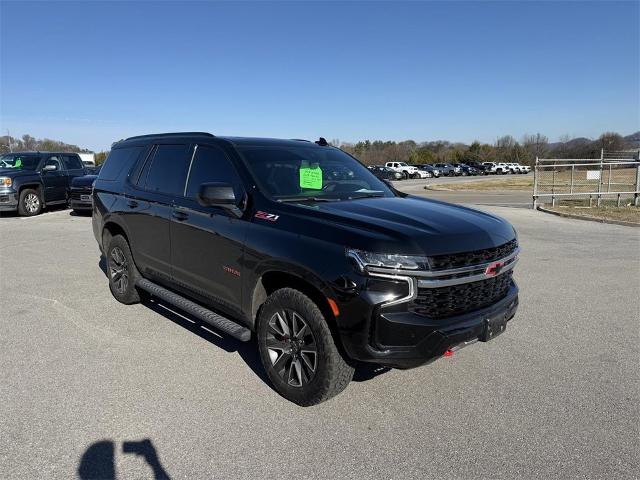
(122, 271)
(29, 203)
(332, 373)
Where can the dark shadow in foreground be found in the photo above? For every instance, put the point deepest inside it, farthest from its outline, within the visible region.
(98, 461)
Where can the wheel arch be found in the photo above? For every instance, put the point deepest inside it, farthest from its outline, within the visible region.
(33, 185)
(110, 229)
(273, 280)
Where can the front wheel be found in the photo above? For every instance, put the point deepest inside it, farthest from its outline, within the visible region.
(298, 351)
(29, 203)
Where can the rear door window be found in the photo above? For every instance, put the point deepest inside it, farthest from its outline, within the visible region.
(72, 162)
(168, 170)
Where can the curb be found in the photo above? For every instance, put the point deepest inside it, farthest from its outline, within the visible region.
(589, 218)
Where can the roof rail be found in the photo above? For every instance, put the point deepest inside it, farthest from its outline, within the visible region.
(182, 134)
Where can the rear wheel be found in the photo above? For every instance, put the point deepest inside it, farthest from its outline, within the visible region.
(29, 203)
(122, 272)
(298, 351)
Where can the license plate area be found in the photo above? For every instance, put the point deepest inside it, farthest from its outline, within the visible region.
(85, 198)
(493, 327)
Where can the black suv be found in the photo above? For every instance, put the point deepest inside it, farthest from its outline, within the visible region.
(29, 181)
(257, 236)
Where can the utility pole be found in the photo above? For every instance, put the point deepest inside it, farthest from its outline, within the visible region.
(9, 138)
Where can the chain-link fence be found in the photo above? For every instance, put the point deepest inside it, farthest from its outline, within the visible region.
(590, 182)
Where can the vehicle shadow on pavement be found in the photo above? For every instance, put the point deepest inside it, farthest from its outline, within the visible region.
(248, 351)
(98, 461)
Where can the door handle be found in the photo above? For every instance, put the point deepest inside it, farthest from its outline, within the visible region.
(132, 204)
(180, 215)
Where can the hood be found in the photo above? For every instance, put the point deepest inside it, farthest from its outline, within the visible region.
(410, 225)
(84, 181)
(15, 172)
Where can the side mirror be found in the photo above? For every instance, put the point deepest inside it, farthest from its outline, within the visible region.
(216, 194)
(49, 168)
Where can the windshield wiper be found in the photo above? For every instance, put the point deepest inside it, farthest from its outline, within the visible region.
(365, 195)
(307, 199)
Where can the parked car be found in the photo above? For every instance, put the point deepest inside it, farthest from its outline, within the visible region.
(448, 169)
(502, 168)
(424, 172)
(80, 191)
(467, 170)
(385, 173)
(525, 168)
(514, 168)
(491, 168)
(250, 236)
(430, 169)
(407, 170)
(480, 167)
(31, 181)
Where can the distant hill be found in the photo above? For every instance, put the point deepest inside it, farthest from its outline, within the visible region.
(633, 140)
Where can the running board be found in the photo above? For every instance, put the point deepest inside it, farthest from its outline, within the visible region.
(221, 323)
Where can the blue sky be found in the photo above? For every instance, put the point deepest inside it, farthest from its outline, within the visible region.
(91, 73)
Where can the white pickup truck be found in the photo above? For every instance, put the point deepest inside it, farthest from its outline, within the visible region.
(407, 170)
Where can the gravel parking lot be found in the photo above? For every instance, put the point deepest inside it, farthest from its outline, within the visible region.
(82, 376)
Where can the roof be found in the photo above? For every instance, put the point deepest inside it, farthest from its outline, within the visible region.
(40, 152)
(236, 141)
(258, 141)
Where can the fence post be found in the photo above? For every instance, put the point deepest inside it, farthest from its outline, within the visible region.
(600, 179)
(535, 183)
(573, 168)
(637, 194)
(609, 182)
(553, 186)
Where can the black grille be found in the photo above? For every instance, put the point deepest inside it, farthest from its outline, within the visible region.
(446, 302)
(457, 260)
(75, 193)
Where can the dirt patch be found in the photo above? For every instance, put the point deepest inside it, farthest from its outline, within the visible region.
(619, 214)
(507, 183)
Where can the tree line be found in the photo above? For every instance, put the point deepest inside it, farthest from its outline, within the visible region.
(504, 149)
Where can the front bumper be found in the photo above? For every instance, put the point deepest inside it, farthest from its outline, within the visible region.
(80, 199)
(8, 201)
(408, 340)
(80, 205)
(406, 321)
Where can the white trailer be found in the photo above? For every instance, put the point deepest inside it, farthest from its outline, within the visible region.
(88, 159)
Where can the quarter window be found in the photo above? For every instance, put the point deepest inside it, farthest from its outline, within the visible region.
(118, 160)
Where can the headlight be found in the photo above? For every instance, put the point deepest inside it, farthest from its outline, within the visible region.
(388, 260)
(5, 182)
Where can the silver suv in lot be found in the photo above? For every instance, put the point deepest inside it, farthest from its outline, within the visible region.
(448, 169)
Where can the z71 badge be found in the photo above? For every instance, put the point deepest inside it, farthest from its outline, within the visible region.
(267, 216)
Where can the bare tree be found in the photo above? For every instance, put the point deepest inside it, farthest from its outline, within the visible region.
(536, 145)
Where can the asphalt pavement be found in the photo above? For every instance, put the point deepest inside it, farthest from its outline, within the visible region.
(90, 387)
(509, 198)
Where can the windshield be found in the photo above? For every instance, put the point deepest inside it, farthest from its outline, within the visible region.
(300, 172)
(19, 161)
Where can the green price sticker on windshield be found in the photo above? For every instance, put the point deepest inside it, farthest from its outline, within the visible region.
(311, 178)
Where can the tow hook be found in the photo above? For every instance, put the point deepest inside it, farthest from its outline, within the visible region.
(451, 350)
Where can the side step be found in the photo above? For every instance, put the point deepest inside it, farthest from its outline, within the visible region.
(221, 323)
